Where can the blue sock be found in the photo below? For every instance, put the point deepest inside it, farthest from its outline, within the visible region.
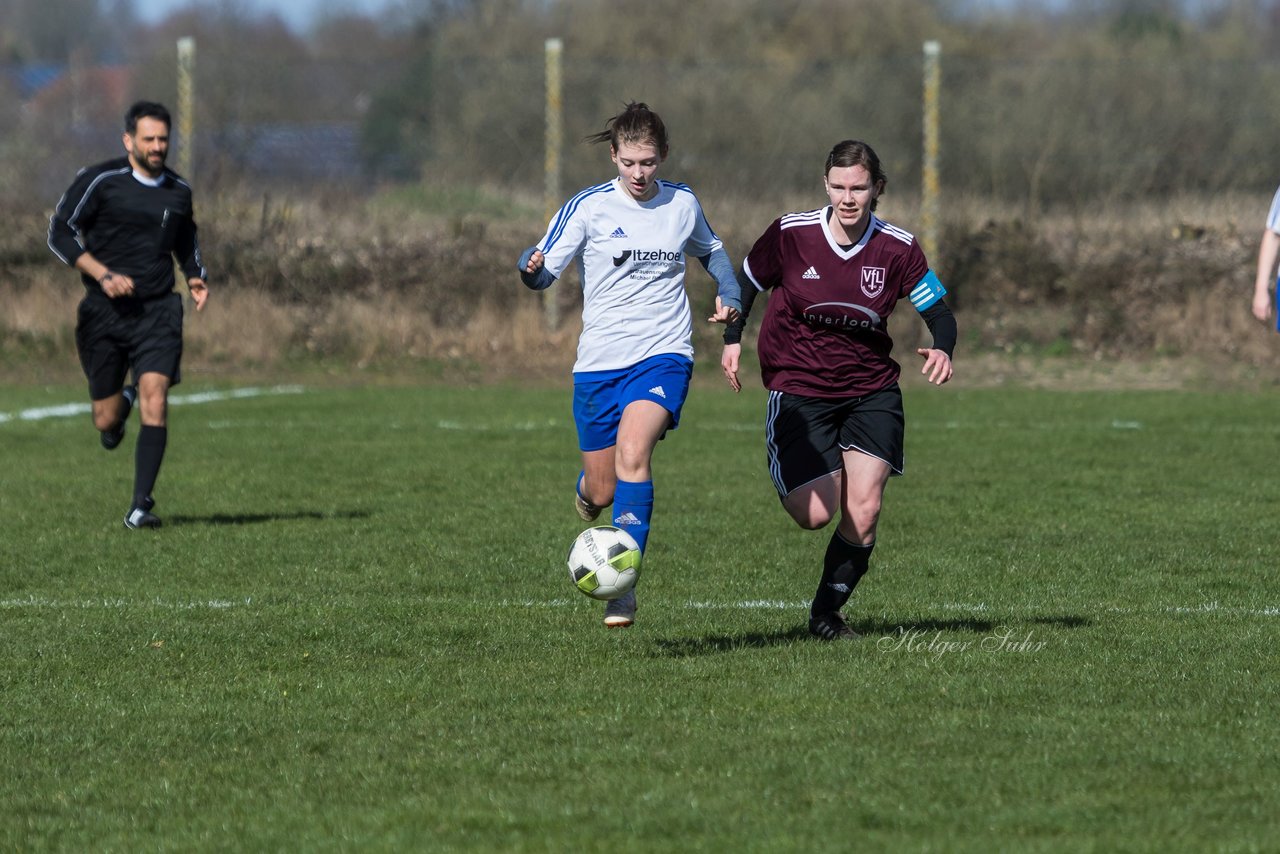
(633, 508)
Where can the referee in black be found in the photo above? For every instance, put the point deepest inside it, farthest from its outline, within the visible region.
(121, 224)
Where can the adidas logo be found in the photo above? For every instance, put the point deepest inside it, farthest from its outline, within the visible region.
(811, 274)
(626, 519)
(658, 391)
(618, 232)
(841, 588)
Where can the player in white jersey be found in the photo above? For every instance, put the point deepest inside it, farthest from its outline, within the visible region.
(630, 237)
(1268, 260)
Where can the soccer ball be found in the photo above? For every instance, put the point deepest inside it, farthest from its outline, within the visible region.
(604, 562)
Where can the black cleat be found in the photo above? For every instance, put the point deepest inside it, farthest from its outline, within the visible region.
(829, 627)
(142, 517)
(112, 438)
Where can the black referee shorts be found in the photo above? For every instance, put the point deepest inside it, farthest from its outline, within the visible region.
(806, 437)
(116, 335)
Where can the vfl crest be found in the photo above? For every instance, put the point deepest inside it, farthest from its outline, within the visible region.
(872, 281)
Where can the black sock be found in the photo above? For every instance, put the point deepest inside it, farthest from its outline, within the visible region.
(842, 568)
(146, 461)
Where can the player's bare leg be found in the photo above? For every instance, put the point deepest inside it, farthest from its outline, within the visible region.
(596, 486)
(643, 423)
(862, 494)
(815, 504)
(110, 415)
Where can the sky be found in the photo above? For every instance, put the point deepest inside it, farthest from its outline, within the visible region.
(297, 13)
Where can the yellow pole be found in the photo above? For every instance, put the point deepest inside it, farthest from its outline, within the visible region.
(929, 171)
(186, 108)
(552, 168)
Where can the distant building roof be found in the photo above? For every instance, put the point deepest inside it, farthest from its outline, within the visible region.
(33, 77)
(90, 96)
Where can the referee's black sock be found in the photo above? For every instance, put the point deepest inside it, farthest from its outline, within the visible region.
(146, 462)
(842, 569)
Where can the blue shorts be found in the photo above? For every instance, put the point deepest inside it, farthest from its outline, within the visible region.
(600, 396)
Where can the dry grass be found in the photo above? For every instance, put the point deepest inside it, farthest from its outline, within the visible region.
(504, 341)
(249, 333)
(382, 288)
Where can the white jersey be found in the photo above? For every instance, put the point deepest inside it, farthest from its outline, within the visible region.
(631, 258)
(1273, 215)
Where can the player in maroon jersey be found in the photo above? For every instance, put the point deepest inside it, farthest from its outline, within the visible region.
(834, 426)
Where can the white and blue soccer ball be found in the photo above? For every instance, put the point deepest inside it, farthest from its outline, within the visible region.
(604, 562)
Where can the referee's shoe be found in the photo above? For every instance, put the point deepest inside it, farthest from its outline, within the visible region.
(141, 516)
(112, 438)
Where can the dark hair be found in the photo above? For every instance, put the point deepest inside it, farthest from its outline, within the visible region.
(636, 124)
(853, 152)
(145, 110)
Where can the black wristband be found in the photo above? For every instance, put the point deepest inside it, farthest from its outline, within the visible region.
(733, 331)
(942, 324)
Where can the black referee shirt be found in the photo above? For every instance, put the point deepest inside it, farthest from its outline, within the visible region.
(133, 228)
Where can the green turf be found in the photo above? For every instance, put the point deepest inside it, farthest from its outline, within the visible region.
(356, 632)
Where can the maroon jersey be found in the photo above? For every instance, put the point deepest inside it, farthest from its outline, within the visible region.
(825, 330)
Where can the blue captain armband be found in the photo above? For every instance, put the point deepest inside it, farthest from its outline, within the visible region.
(927, 291)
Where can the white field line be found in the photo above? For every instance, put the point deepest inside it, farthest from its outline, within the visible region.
(66, 410)
(121, 603)
(481, 426)
(40, 603)
(1203, 608)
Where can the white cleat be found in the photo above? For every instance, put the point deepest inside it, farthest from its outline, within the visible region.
(621, 612)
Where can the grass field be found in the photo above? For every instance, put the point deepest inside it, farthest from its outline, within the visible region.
(355, 632)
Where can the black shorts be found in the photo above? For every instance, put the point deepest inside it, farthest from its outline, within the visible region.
(806, 437)
(116, 335)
